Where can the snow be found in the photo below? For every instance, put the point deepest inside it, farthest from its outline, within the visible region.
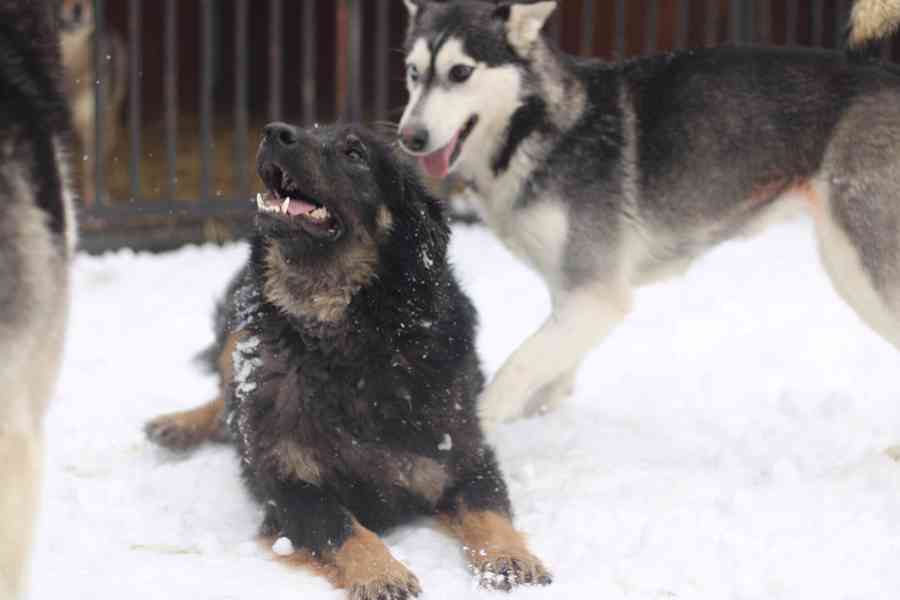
(283, 547)
(726, 442)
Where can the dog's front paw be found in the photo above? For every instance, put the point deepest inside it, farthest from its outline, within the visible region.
(394, 587)
(506, 572)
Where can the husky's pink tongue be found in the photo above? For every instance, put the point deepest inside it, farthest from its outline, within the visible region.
(299, 207)
(437, 163)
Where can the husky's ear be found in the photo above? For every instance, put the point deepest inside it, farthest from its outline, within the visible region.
(414, 7)
(524, 22)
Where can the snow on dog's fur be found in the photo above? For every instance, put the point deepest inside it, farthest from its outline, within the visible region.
(346, 348)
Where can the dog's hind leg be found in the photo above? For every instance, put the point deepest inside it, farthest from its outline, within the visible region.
(19, 496)
(188, 429)
(579, 321)
(859, 243)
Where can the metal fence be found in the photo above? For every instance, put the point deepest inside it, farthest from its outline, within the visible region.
(241, 64)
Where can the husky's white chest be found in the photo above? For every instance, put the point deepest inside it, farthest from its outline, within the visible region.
(537, 234)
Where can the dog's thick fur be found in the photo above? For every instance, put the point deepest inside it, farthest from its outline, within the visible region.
(351, 393)
(607, 177)
(79, 35)
(36, 241)
(873, 20)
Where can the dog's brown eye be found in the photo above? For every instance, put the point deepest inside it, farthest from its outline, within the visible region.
(460, 73)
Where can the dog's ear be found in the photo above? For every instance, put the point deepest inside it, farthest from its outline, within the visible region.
(414, 7)
(524, 22)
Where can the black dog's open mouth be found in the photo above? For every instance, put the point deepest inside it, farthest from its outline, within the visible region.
(438, 163)
(286, 202)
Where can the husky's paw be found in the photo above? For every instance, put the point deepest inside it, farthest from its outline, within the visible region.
(549, 397)
(387, 588)
(506, 572)
(175, 434)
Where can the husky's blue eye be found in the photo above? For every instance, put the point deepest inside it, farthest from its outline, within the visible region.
(412, 72)
(460, 73)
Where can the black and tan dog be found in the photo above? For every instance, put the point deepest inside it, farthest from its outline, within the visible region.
(349, 369)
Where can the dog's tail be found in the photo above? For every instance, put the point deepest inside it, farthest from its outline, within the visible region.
(873, 21)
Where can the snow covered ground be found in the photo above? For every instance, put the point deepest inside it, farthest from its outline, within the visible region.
(725, 443)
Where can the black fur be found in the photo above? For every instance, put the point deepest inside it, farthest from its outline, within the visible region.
(372, 396)
(33, 109)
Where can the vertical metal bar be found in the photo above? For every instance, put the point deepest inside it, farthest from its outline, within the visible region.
(134, 95)
(684, 23)
(764, 23)
(740, 21)
(382, 35)
(310, 61)
(100, 84)
(206, 98)
(818, 22)
(241, 114)
(841, 17)
(587, 28)
(354, 102)
(276, 47)
(790, 22)
(620, 29)
(651, 27)
(170, 83)
(712, 22)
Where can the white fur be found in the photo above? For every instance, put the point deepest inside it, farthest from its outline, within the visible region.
(30, 351)
(578, 323)
(525, 23)
(873, 19)
(492, 93)
(412, 7)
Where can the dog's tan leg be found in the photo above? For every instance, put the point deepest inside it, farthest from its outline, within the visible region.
(365, 567)
(188, 429)
(19, 498)
(496, 552)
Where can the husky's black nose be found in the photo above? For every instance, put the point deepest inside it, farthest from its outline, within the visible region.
(415, 139)
(282, 135)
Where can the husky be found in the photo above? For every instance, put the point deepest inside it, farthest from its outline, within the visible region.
(37, 237)
(79, 35)
(346, 352)
(607, 177)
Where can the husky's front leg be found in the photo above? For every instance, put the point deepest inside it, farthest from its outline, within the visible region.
(579, 321)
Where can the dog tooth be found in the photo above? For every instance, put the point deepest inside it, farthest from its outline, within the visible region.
(259, 202)
(286, 205)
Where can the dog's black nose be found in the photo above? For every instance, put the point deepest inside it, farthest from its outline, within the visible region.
(76, 12)
(415, 139)
(282, 134)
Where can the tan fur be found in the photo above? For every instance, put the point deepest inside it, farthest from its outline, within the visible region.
(365, 567)
(873, 20)
(314, 292)
(187, 429)
(425, 477)
(495, 550)
(296, 461)
(78, 61)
